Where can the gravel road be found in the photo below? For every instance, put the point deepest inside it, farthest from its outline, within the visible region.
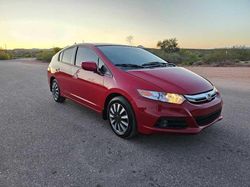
(43, 143)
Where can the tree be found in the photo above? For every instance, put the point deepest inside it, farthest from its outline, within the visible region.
(56, 49)
(169, 45)
(130, 39)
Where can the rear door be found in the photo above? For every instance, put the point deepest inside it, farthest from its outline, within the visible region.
(65, 71)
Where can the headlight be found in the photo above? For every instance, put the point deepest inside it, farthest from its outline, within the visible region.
(161, 96)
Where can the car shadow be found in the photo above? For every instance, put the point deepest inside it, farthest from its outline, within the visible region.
(208, 135)
(215, 141)
(161, 138)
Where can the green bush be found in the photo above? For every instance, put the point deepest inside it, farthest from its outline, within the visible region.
(189, 57)
(4, 55)
(183, 56)
(46, 55)
(231, 56)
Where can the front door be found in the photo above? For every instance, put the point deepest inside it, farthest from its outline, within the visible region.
(87, 86)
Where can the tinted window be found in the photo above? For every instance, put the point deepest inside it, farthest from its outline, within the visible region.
(85, 55)
(129, 55)
(60, 56)
(68, 55)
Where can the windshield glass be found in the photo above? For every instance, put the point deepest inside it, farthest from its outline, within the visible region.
(131, 57)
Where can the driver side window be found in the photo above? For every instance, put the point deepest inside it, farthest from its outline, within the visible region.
(85, 55)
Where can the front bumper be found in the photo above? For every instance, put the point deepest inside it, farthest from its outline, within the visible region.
(195, 117)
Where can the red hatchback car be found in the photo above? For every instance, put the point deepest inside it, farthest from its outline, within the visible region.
(134, 89)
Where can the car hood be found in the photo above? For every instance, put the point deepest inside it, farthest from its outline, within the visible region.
(174, 80)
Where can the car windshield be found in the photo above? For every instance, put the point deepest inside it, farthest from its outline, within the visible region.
(127, 57)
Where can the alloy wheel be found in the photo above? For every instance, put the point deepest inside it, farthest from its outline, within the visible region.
(118, 118)
(55, 91)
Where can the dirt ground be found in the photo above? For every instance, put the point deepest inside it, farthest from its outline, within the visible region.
(234, 78)
(241, 73)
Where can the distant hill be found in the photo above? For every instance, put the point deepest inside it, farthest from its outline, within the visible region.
(208, 57)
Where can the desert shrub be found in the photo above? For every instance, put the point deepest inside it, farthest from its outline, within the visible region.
(188, 57)
(242, 54)
(4, 55)
(215, 57)
(183, 56)
(227, 56)
(173, 58)
(46, 55)
(169, 57)
(56, 49)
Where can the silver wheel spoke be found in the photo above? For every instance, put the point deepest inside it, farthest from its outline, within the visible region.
(118, 107)
(122, 110)
(114, 108)
(119, 127)
(111, 110)
(124, 123)
(116, 126)
(123, 127)
(112, 122)
(118, 118)
(124, 117)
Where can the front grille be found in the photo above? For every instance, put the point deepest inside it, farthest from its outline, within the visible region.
(202, 97)
(205, 120)
(177, 123)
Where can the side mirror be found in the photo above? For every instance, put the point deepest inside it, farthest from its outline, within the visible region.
(89, 66)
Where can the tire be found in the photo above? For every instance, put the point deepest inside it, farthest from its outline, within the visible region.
(56, 92)
(121, 117)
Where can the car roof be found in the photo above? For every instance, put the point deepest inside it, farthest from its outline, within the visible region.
(100, 44)
(96, 45)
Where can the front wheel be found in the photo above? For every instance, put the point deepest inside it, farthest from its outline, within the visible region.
(56, 92)
(121, 117)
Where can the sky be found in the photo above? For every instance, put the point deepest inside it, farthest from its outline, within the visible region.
(195, 23)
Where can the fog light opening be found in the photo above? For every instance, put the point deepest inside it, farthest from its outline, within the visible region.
(171, 123)
(164, 123)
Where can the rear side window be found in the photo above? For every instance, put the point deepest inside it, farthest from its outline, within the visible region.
(60, 56)
(67, 55)
(85, 55)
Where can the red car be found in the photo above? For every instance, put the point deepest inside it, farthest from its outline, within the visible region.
(134, 89)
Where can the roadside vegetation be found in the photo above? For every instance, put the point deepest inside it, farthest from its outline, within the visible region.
(46, 55)
(167, 49)
(5, 55)
(170, 51)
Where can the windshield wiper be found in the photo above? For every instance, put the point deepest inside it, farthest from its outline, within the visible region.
(129, 65)
(158, 64)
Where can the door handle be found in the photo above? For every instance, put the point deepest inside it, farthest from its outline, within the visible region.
(75, 75)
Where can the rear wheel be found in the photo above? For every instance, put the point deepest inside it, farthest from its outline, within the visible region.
(121, 117)
(56, 92)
